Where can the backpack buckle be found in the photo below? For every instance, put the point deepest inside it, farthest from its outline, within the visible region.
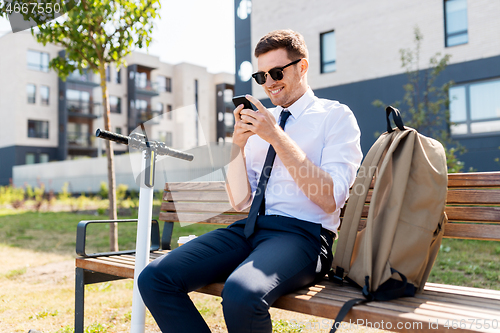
(366, 290)
(337, 276)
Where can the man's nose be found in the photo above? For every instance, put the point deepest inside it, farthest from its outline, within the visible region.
(269, 81)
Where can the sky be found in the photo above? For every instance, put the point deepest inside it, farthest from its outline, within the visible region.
(200, 32)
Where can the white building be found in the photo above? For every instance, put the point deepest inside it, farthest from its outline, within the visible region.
(354, 51)
(46, 119)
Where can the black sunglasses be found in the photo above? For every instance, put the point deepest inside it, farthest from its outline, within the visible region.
(276, 73)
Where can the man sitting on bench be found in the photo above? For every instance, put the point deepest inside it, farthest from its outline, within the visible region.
(312, 146)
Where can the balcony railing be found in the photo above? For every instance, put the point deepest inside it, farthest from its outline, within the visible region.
(148, 115)
(86, 76)
(80, 140)
(85, 109)
(146, 86)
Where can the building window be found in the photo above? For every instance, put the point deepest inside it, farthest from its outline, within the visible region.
(328, 52)
(475, 107)
(38, 61)
(455, 22)
(141, 80)
(44, 95)
(78, 135)
(31, 92)
(169, 111)
(44, 158)
(108, 73)
(38, 129)
(164, 83)
(115, 104)
(118, 78)
(168, 86)
(166, 137)
(118, 130)
(159, 109)
(141, 105)
(78, 101)
(29, 158)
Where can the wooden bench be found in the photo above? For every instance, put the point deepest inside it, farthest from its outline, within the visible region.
(473, 209)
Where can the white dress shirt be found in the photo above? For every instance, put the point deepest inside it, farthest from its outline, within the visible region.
(328, 133)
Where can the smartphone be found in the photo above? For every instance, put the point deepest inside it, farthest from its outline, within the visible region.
(237, 100)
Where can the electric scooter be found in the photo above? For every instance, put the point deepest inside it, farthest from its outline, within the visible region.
(150, 150)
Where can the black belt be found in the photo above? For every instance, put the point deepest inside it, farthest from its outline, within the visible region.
(331, 233)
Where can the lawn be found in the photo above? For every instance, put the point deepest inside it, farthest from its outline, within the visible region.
(55, 232)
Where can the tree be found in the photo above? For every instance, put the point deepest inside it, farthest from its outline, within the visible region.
(425, 106)
(95, 34)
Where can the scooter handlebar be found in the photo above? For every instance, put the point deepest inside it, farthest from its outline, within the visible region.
(112, 136)
(162, 149)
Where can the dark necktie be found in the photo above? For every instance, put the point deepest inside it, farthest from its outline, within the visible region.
(258, 204)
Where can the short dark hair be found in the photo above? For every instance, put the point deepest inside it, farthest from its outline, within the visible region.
(290, 40)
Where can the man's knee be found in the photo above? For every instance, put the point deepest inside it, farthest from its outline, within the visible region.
(145, 281)
(238, 299)
(153, 279)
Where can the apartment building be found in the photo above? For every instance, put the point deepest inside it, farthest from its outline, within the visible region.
(47, 119)
(354, 49)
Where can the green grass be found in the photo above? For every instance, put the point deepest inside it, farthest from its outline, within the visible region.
(469, 263)
(56, 232)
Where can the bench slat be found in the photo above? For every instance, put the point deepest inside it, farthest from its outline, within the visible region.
(485, 214)
(472, 231)
(473, 197)
(208, 196)
(208, 207)
(98, 265)
(474, 179)
(200, 218)
(487, 296)
(195, 186)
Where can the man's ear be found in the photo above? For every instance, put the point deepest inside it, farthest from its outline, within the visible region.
(304, 66)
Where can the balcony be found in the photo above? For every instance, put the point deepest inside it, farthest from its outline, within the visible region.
(80, 140)
(83, 109)
(87, 78)
(146, 87)
(149, 116)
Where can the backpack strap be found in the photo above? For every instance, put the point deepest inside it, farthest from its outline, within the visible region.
(396, 116)
(352, 216)
(391, 289)
(344, 310)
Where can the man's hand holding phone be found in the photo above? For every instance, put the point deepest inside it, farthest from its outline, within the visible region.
(242, 100)
(260, 122)
(241, 133)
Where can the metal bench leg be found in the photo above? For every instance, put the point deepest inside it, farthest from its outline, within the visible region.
(79, 299)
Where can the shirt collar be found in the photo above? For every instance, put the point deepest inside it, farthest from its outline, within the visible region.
(299, 105)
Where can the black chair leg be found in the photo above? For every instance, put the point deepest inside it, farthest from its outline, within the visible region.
(79, 299)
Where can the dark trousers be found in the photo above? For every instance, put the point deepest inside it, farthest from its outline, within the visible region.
(280, 257)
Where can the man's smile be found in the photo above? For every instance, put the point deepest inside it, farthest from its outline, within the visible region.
(275, 91)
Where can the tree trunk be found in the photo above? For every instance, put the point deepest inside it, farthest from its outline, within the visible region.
(113, 227)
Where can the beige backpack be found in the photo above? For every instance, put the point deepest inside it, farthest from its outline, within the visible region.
(393, 255)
